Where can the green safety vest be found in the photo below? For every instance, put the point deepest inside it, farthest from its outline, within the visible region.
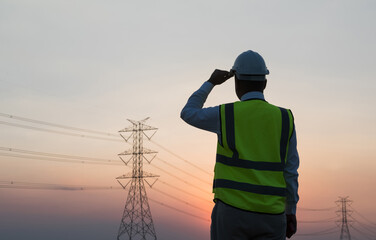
(251, 156)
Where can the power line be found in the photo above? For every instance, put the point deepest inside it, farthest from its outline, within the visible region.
(364, 226)
(315, 209)
(178, 210)
(372, 231)
(58, 160)
(75, 159)
(316, 234)
(80, 160)
(322, 232)
(57, 155)
(369, 221)
(181, 158)
(83, 135)
(81, 188)
(180, 179)
(180, 200)
(189, 174)
(58, 132)
(364, 234)
(56, 125)
(186, 192)
(50, 186)
(83, 162)
(318, 221)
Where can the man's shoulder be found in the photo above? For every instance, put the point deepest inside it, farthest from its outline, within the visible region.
(282, 108)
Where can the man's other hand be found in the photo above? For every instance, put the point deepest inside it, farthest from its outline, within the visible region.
(220, 76)
(291, 225)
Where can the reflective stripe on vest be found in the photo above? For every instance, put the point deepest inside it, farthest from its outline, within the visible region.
(245, 182)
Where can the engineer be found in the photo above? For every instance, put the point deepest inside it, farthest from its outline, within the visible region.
(255, 176)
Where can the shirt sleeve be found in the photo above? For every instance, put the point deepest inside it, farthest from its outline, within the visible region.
(194, 114)
(291, 175)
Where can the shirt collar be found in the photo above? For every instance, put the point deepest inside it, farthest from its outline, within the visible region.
(252, 95)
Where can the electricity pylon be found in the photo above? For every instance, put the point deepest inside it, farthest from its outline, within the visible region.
(343, 202)
(137, 223)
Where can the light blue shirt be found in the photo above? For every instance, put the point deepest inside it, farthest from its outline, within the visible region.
(208, 119)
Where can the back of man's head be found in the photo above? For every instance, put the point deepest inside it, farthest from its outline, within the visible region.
(250, 71)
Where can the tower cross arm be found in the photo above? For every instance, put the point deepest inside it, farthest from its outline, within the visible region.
(126, 152)
(148, 151)
(147, 127)
(144, 175)
(149, 175)
(127, 129)
(125, 176)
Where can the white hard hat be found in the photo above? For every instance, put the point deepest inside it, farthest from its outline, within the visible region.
(250, 66)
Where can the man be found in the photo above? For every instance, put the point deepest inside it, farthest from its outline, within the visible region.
(255, 176)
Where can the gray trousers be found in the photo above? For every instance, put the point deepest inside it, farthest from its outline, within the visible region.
(229, 223)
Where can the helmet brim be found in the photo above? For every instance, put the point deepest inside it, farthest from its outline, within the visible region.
(244, 77)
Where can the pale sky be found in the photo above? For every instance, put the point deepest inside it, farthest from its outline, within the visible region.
(93, 64)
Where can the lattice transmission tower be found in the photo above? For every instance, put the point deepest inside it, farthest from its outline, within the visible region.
(342, 203)
(137, 222)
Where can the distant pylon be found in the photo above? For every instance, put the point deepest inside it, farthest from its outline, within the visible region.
(137, 222)
(343, 202)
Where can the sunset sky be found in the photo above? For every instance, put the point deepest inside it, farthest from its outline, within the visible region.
(94, 64)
